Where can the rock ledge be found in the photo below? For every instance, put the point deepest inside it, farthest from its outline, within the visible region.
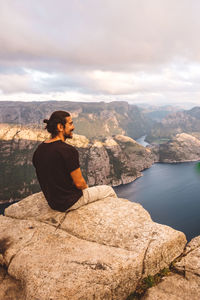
(99, 251)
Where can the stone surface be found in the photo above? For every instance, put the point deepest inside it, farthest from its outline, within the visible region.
(185, 285)
(99, 251)
(190, 263)
(10, 289)
(174, 287)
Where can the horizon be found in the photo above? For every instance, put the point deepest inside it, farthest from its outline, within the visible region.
(134, 51)
(185, 106)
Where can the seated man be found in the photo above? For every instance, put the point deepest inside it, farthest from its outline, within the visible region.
(58, 169)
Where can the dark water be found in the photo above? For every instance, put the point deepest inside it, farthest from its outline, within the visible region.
(142, 141)
(170, 193)
(3, 207)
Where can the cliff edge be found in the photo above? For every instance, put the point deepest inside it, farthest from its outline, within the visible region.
(184, 282)
(99, 251)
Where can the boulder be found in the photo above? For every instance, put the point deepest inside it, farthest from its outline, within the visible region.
(99, 251)
(185, 284)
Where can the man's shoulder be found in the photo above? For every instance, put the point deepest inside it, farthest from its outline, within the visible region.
(39, 146)
(57, 146)
(67, 148)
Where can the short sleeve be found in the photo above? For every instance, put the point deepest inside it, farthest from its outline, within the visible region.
(72, 160)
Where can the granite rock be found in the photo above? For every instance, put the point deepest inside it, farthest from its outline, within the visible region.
(184, 283)
(10, 289)
(100, 251)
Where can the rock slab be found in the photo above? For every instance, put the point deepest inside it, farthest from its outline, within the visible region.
(99, 251)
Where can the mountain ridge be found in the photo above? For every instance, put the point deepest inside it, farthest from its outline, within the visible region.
(187, 121)
(97, 119)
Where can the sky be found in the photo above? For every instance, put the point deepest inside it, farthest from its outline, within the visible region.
(140, 51)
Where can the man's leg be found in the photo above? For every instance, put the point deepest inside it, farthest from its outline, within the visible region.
(93, 194)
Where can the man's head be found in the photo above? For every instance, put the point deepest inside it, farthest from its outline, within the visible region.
(60, 124)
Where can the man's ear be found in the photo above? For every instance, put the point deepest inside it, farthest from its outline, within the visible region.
(60, 127)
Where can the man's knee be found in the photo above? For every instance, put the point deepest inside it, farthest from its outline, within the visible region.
(106, 191)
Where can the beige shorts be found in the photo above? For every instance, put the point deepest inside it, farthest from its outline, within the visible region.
(93, 194)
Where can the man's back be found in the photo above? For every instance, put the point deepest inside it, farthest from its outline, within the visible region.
(54, 162)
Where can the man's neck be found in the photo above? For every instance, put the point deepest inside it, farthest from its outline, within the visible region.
(57, 138)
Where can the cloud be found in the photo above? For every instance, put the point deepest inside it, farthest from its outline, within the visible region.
(99, 34)
(109, 48)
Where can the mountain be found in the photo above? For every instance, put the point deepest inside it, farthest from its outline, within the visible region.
(183, 147)
(187, 121)
(92, 120)
(112, 160)
(157, 113)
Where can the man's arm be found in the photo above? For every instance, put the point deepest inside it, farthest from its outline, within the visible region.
(78, 179)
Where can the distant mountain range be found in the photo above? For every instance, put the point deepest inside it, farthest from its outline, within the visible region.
(187, 121)
(93, 120)
(157, 113)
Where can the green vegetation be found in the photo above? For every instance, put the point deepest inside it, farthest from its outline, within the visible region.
(18, 178)
(147, 283)
(117, 165)
(160, 141)
(131, 148)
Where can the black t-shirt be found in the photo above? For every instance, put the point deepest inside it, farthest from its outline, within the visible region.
(53, 163)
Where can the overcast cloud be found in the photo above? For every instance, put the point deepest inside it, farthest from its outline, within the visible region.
(92, 50)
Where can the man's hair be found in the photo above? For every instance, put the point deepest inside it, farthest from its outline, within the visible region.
(57, 117)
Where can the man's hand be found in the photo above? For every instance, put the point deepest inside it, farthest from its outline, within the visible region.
(78, 179)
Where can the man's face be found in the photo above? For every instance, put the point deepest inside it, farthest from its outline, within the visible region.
(69, 127)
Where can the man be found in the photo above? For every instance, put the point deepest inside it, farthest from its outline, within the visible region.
(58, 168)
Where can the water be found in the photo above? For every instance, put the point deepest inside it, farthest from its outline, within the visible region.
(4, 206)
(170, 193)
(141, 141)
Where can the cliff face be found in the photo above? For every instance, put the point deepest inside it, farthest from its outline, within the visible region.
(182, 148)
(92, 120)
(113, 161)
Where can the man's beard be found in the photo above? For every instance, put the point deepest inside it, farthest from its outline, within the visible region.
(68, 136)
